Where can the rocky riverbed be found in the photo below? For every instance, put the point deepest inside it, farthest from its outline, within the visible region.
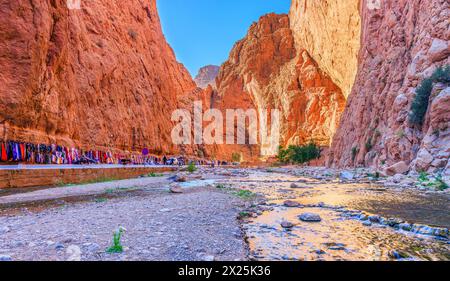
(231, 214)
(318, 214)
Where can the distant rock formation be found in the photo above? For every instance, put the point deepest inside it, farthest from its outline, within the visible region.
(207, 76)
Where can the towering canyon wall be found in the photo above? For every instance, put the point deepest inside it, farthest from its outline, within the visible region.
(266, 70)
(102, 76)
(402, 43)
(330, 31)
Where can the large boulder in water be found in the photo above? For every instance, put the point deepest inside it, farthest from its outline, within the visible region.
(310, 217)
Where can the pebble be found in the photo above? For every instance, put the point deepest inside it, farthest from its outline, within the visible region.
(74, 253)
(397, 255)
(176, 190)
(346, 176)
(180, 179)
(287, 225)
(4, 230)
(294, 185)
(291, 204)
(5, 258)
(374, 219)
(91, 247)
(320, 252)
(209, 258)
(405, 226)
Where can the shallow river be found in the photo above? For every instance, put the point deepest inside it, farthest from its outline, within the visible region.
(337, 237)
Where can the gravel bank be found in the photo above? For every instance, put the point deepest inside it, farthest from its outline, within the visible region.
(199, 224)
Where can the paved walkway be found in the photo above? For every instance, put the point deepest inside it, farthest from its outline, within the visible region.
(100, 166)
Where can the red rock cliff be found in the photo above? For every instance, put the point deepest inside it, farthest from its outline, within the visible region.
(402, 43)
(102, 76)
(265, 70)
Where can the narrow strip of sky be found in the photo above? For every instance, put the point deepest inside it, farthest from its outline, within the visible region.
(202, 32)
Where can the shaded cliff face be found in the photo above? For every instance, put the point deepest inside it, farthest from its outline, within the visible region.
(402, 43)
(207, 76)
(330, 31)
(102, 76)
(266, 71)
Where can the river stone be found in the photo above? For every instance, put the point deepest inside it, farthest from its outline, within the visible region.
(310, 217)
(295, 185)
(320, 252)
(397, 168)
(393, 222)
(176, 189)
(375, 219)
(363, 217)
(335, 246)
(291, 204)
(346, 176)
(4, 230)
(367, 223)
(397, 255)
(74, 253)
(5, 258)
(424, 159)
(287, 225)
(209, 258)
(405, 226)
(441, 232)
(91, 247)
(180, 179)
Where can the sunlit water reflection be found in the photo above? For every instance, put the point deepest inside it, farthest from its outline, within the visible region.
(335, 237)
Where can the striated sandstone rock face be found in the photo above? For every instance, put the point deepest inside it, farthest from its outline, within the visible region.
(207, 76)
(402, 43)
(102, 76)
(330, 31)
(266, 71)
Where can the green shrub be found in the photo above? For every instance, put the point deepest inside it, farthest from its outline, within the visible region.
(236, 157)
(117, 244)
(299, 154)
(420, 104)
(191, 168)
(355, 152)
(441, 75)
(440, 183)
(244, 194)
(244, 215)
(423, 177)
(369, 144)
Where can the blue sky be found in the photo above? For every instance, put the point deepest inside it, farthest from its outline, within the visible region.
(202, 32)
